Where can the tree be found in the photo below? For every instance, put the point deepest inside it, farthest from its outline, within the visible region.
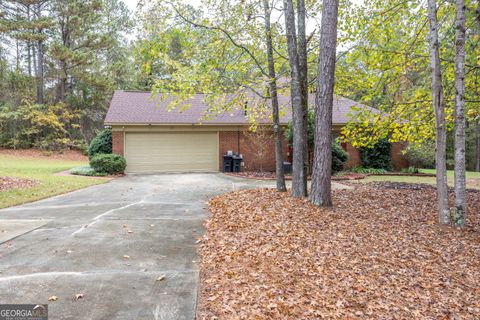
(297, 90)
(439, 109)
(230, 57)
(322, 156)
(460, 211)
(279, 170)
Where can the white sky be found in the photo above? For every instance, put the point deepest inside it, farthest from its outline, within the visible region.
(132, 4)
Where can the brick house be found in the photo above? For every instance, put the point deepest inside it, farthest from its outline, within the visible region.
(155, 139)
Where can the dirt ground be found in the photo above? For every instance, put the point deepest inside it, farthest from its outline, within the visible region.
(378, 254)
(73, 155)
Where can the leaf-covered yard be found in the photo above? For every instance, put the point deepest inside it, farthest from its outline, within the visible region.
(379, 254)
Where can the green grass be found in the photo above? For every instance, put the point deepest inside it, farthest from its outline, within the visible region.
(428, 180)
(42, 170)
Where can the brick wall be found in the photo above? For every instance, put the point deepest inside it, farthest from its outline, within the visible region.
(117, 142)
(399, 161)
(258, 149)
(353, 155)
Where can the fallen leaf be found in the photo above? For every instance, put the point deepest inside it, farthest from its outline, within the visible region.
(52, 298)
(126, 256)
(79, 296)
(160, 278)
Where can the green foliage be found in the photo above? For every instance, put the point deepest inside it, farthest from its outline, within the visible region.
(310, 129)
(378, 156)
(421, 155)
(364, 170)
(411, 169)
(102, 143)
(85, 57)
(339, 157)
(108, 163)
(86, 171)
(33, 125)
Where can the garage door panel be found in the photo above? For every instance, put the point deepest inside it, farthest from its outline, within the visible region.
(169, 152)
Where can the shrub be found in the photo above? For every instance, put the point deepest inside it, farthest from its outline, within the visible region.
(86, 171)
(421, 155)
(368, 170)
(378, 156)
(101, 144)
(108, 163)
(339, 157)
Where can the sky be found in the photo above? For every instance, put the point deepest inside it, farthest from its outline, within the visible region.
(133, 3)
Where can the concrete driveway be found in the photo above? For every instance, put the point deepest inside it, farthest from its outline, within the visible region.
(111, 243)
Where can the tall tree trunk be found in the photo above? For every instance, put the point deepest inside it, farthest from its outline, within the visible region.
(439, 109)
(460, 212)
(303, 76)
(279, 170)
(299, 175)
(321, 194)
(477, 129)
(29, 46)
(477, 156)
(39, 73)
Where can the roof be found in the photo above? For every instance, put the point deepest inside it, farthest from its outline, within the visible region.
(136, 107)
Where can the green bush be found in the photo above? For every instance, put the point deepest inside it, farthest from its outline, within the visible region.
(86, 171)
(421, 155)
(378, 156)
(101, 144)
(339, 157)
(108, 163)
(364, 170)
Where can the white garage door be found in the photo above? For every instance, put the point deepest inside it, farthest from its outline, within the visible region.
(171, 152)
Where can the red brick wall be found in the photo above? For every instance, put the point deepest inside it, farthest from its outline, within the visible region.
(249, 144)
(399, 161)
(353, 155)
(117, 142)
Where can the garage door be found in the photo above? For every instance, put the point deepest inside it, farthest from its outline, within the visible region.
(171, 152)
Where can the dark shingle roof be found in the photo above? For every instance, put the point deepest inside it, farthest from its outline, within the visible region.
(134, 107)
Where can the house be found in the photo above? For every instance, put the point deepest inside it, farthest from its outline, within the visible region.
(153, 138)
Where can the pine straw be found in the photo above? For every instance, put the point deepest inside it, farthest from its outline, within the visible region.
(7, 183)
(379, 254)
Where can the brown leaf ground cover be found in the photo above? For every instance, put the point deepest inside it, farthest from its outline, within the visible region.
(266, 175)
(73, 155)
(379, 254)
(7, 183)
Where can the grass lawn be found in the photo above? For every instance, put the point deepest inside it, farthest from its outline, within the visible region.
(473, 178)
(43, 170)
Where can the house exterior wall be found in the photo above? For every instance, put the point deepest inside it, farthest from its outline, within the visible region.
(257, 149)
(117, 142)
(240, 140)
(399, 161)
(353, 155)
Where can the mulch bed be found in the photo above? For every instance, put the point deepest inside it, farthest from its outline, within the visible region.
(271, 175)
(378, 254)
(7, 183)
